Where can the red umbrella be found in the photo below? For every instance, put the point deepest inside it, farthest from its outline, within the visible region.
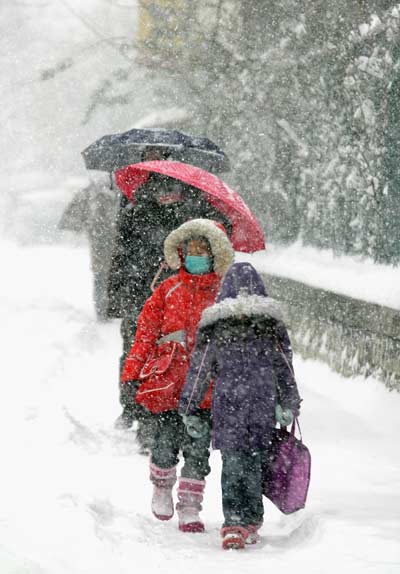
(246, 235)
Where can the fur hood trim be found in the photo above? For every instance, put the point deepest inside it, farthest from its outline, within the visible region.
(247, 305)
(221, 247)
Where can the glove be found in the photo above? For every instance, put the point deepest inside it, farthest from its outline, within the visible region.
(283, 416)
(195, 427)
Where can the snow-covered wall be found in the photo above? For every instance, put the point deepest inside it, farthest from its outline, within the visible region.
(353, 337)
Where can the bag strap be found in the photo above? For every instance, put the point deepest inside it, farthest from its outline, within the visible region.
(285, 357)
(163, 267)
(293, 429)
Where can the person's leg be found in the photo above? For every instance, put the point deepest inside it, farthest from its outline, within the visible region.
(126, 398)
(196, 453)
(233, 531)
(168, 435)
(100, 294)
(163, 462)
(253, 508)
(145, 431)
(232, 479)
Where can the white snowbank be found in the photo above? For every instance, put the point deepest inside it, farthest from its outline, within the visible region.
(353, 276)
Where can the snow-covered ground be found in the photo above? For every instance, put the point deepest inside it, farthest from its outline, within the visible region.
(75, 494)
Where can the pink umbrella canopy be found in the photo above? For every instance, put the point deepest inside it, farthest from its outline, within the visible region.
(247, 235)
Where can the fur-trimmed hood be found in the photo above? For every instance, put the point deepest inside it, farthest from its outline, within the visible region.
(243, 305)
(242, 293)
(221, 247)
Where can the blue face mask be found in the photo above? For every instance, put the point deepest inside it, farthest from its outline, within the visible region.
(198, 264)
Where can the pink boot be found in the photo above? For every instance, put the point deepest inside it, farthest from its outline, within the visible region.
(162, 504)
(190, 497)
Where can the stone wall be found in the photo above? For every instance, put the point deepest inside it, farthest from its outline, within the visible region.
(353, 337)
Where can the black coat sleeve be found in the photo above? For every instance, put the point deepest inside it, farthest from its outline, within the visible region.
(288, 394)
(137, 253)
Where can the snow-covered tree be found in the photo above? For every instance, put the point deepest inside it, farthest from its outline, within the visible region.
(303, 95)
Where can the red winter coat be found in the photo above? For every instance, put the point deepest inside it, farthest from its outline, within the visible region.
(176, 305)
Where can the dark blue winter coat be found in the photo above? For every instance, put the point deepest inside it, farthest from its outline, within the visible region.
(243, 346)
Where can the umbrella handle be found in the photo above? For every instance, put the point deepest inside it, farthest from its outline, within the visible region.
(163, 267)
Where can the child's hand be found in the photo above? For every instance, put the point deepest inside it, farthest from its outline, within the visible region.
(195, 427)
(284, 417)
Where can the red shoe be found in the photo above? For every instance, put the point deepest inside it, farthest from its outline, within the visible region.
(234, 537)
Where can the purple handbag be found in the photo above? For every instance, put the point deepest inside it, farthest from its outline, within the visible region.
(286, 472)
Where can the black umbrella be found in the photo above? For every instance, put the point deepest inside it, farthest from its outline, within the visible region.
(112, 152)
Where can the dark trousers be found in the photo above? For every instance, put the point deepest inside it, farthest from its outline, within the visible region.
(171, 437)
(100, 294)
(146, 422)
(241, 482)
(128, 329)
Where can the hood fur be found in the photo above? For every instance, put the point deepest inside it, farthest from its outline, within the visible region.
(221, 247)
(243, 305)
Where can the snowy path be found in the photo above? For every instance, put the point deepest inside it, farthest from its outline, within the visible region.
(74, 496)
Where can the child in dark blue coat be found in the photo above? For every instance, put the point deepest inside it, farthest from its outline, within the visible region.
(243, 346)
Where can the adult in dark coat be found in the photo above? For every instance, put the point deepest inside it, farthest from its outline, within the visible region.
(162, 205)
(242, 344)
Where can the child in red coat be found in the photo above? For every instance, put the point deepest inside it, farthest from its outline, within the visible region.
(159, 359)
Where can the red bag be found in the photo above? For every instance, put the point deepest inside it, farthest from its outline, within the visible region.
(163, 378)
